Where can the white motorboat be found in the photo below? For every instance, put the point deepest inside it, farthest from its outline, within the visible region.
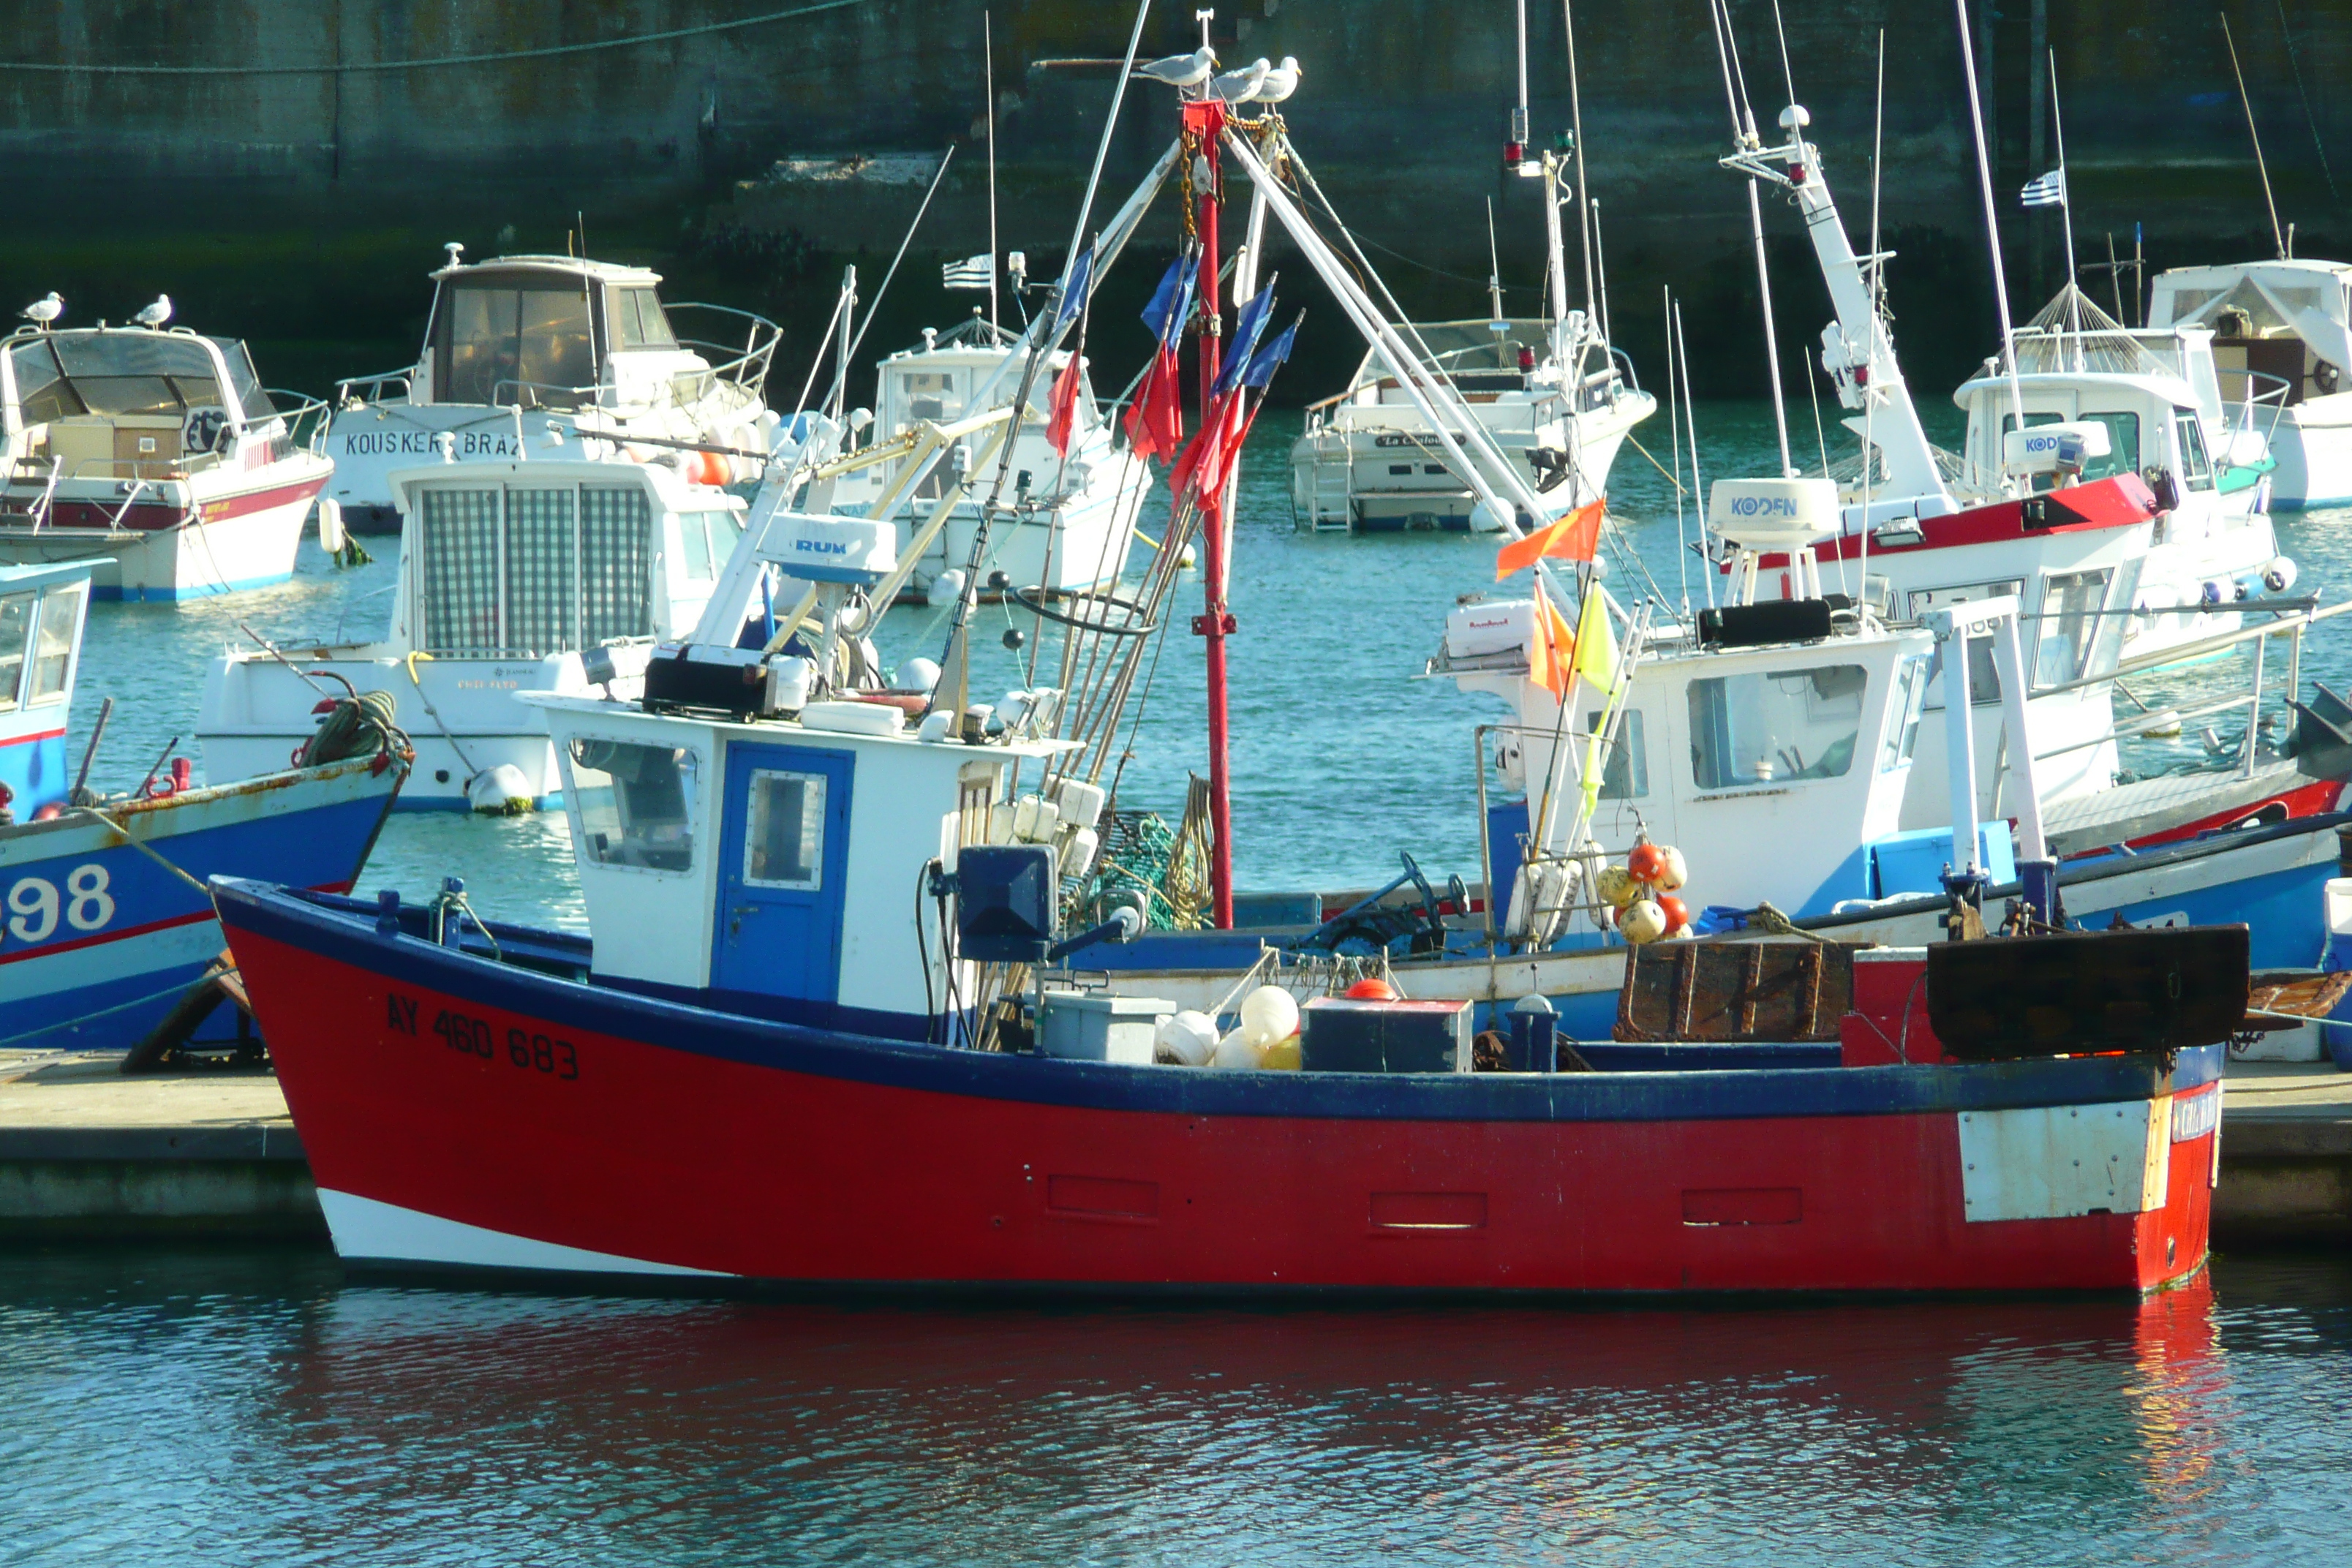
(1552, 395)
(547, 574)
(572, 358)
(2282, 340)
(157, 456)
(1064, 524)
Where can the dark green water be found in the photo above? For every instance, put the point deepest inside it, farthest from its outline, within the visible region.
(252, 1407)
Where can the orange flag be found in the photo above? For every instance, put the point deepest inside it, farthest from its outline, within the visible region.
(1551, 657)
(1576, 537)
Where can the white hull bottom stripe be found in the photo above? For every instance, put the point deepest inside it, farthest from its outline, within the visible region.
(368, 1231)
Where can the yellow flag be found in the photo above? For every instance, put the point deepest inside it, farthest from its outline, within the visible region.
(1596, 645)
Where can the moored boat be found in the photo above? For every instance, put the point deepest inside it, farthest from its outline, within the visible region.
(156, 455)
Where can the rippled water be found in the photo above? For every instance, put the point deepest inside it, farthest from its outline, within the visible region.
(1341, 758)
(242, 1408)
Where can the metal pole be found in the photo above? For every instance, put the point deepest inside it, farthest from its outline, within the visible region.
(1216, 621)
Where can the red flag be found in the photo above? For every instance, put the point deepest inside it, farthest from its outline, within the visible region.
(1229, 450)
(1576, 537)
(1155, 421)
(1551, 657)
(1203, 455)
(1062, 408)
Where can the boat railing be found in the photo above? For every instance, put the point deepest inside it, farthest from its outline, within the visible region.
(303, 420)
(745, 365)
(362, 389)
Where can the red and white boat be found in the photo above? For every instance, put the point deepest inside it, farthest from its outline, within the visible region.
(155, 455)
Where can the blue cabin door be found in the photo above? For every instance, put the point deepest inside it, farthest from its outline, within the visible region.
(784, 844)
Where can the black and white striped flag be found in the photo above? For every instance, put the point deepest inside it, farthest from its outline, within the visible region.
(979, 273)
(2049, 191)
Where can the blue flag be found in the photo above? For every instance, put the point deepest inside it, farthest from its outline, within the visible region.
(1172, 302)
(1249, 325)
(1074, 291)
(1261, 363)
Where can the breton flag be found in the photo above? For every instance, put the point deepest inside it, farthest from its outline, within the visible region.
(2049, 191)
(979, 273)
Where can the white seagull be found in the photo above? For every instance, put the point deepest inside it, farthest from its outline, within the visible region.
(156, 314)
(1280, 82)
(43, 311)
(1240, 87)
(1181, 70)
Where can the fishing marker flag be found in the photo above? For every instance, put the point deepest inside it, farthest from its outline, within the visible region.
(1061, 406)
(1263, 363)
(1551, 655)
(1576, 537)
(1172, 302)
(1074, 291)
(1249, 325)
(2049, 191)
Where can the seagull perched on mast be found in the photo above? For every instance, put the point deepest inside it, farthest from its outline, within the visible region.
(156, 314)
(1280, 82)
(41, 312)
(1181, 71)
(1240, 87)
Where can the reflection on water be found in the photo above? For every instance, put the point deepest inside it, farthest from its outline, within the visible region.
(246, 1407)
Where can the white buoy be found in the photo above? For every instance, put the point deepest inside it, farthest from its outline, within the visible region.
(918, 675)
(1642, 923)
(330, 525)
(1234, 1054)
(1269, 1014)
(1190, 1037)
(500, 790)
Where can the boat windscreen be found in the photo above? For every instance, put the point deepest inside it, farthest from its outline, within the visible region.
(107, 373)
(255, 402)
(506, 344)
(639, 321)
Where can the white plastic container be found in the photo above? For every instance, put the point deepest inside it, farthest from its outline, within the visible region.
(1088, 1026)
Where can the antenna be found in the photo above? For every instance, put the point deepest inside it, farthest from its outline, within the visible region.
(1675, 430)
(1877, 320)
(2254, 136)
(1576, 134)
(1515, 150)
(988, 52)
(1690, 423)
(2067, 214)
(1993, 221)
(1494, 268)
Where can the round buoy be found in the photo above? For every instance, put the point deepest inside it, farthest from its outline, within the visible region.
(1616, 887)
(1677, 869)
(1647, 862)
(1190, 1037)
(1372, 990)
(1677, 914)
(1268, 1013)
(1642, 923)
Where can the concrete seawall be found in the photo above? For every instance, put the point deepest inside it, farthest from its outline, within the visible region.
(296, 177)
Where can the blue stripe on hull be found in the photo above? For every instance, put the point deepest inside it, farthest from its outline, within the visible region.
(114, 1013)
(1699, 1095)
(309, 847)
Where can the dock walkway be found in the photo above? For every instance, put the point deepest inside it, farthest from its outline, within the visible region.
(86, 1153)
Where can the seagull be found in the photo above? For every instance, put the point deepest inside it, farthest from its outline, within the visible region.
(1280, 82)
(43, 311)
(1181, 70)
(156, 314)
(1240, 87)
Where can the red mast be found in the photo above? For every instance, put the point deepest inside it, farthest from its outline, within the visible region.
(1204, 124)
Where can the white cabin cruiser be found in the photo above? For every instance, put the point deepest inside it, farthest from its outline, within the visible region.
(155, 455)
(577, 358)
(2282, 340)
(1369, 464)
(550, 575)
(1070, 519)
(1916, 526)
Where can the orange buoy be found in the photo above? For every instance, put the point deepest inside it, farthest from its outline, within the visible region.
(1647, 862)
(1372, 991)
(1677, 913)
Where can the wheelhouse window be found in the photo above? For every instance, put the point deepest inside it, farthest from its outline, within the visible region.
(1626, 772)
(639, 320)
(15, 628)
(634, 803)
(110, 374)
(2196, 469)
(1776, 727)
(53, 643)
(927, 395)
(1903, 716)
(2068, 626)
(1984, 676)
(2123, 444)
(504, 342)
(783, 834)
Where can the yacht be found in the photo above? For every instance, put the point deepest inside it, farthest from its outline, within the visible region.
(578, 357)
(154, 455)
(547, 574)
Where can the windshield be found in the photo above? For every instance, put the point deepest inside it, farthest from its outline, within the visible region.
(637, 314)
(62, 375)
(505, 343)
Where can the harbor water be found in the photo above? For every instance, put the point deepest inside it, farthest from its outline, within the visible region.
(235, 1407)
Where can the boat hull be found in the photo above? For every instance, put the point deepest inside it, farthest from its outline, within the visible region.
(461, 1114)
(227, 541)
(2312, 444)
(101, 936)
